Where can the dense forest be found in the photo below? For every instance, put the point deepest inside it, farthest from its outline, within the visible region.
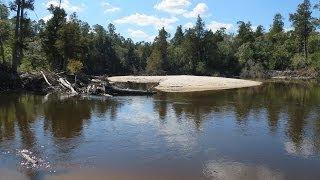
(66, 43)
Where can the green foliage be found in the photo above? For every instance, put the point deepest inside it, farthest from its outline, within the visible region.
(245, 33)
(277, 25)
(154, 63)
(298, 61)
(75, 66)
(245, 53)
(50, 36)
(158, 60)
(22, 29)
(317, 20)
(68, 43)
(302, 22)
(198, 51)
(4, 32)
(259, 31)
(201, 68)
(178, 37)
(34, 59)
(253, 70)
(314, 43)
(315, 60)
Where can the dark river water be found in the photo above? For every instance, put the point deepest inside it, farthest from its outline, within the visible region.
(266, 132)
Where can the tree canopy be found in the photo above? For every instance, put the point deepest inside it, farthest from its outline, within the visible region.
(64, 42)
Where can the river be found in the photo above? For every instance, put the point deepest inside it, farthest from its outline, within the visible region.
(266, 132)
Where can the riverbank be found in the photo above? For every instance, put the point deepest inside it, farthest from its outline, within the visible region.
(302, 74)
(186, 83)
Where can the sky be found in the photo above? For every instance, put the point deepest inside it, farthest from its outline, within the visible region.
(141, 19)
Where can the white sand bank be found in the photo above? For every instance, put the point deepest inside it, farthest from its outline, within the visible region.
(186, 83)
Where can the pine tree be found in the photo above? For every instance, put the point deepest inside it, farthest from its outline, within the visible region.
(178, 36)
(303, 26)
(154, 63)
(161, 47)
(245, 33)
(277, 25)
(21, 27)
(4, 29)
(259, 31)
(317, 21)
(50, 37)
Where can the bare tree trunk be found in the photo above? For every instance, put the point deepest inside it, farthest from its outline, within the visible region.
(16, 40)
(2, 50)
(21, 35)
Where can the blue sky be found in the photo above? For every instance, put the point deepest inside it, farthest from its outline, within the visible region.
(140, 19)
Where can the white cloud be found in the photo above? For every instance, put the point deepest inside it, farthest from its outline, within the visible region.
(214, 26)
(140, 35)
(188, 25)
(47, 17)
(65, 4)
(146, 20)
(305, 150)
(137, 33)
(287, 29)
(254, 28)
(173, 6)
(201, 9)
(108, 8)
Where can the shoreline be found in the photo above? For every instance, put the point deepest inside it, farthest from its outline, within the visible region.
(187, 83)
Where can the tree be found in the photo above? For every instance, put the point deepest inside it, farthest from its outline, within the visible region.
(259, 31)
(21, 28)
(131, 60)
(102, 58)
(144, 51)
(317, 21)
(51, 35)
(178, 36)
(194, 47)
(4, 29)
(160, 53)
(277, 37)
(303, 26)
(189, 52)
(75, 67)
(200, 32)
(277, 25)
(245, 33)
(154, 63)
(112, 32)
(69, 42)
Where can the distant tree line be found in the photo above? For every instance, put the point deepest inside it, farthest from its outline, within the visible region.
(62, 42)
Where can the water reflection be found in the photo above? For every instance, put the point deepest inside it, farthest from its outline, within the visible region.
(296, 105)
(240, 171)
(189, 128)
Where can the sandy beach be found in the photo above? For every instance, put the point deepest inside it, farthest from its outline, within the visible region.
(187, 83)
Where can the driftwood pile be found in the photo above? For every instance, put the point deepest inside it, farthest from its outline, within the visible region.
(46, 83)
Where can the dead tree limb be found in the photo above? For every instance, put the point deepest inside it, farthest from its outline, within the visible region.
(68, 85)
(45, 78)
